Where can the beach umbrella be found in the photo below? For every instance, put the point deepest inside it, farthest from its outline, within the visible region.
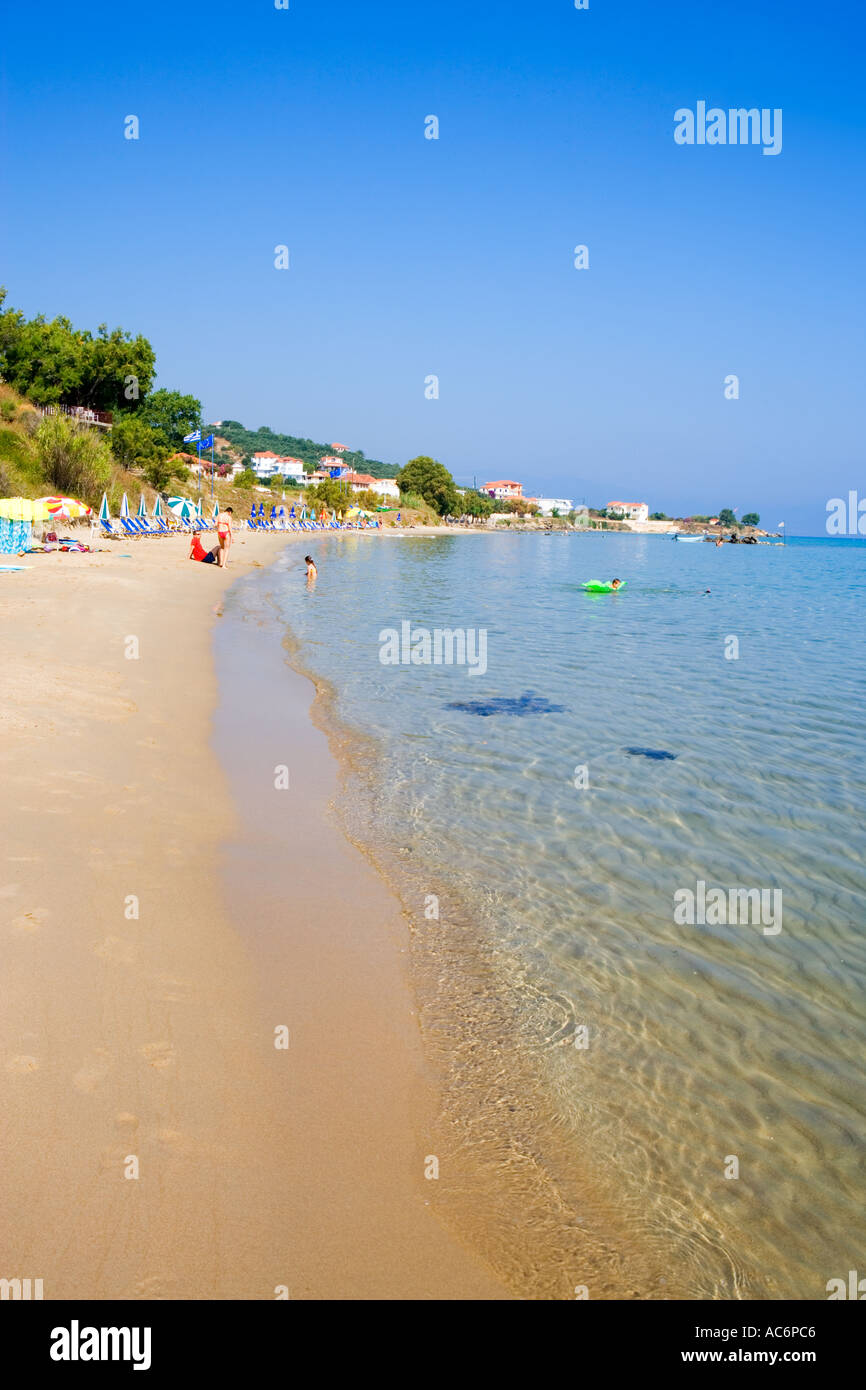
(142, 508)
(216, 511)
(157, 506)
(104, 514)
(23, 509)
(66, 508)
(124, 506)
(182, 507)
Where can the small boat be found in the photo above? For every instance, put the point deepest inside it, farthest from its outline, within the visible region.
(689, 539)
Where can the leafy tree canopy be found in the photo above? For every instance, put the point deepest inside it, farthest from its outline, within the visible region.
(432, 481)
(171, 415)
(751, 519)
(53, 363)
(727, 518)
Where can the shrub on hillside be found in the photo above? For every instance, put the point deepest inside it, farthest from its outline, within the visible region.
(76, 460)
(412, 500)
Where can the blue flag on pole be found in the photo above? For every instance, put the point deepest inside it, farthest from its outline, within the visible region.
(192, 438)
(207, 443)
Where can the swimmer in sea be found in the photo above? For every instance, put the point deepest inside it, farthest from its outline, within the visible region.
(312, 572)
(615, 583)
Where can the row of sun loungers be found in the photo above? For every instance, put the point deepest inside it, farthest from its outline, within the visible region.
(133, 527)
(292, 524)
(137, 526)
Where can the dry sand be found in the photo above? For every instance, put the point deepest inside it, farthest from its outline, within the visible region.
(138, 1004)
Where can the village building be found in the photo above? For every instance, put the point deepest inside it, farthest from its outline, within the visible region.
(502, 489)
(631, 511)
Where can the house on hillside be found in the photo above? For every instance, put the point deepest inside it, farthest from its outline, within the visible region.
(502, 489)
(340, 448)
(266, 464)
(632, 511)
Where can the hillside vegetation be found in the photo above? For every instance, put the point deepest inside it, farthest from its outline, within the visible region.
(244, 443)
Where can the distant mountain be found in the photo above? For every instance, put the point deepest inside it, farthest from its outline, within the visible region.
(250, 442)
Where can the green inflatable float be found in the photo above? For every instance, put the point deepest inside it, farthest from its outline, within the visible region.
(596, 586)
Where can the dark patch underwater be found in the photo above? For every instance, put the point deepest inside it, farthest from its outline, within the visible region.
(528, 703)
(660, 755)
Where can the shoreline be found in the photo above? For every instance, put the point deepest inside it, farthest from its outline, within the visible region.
(523, 1190)
(330, 941)
(146, 1129)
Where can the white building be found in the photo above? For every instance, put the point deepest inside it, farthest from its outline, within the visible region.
(501, 489)
(632, 511)
(267, 464)
(386, 487)
(548, 505)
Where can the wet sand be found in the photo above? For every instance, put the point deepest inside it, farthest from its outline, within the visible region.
(156, 1143)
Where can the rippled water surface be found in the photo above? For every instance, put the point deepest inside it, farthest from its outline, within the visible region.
(633, 1103)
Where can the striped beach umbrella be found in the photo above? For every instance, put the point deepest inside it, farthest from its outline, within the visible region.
(104, 514)
(124, 506)
(66, 508)
(157, 506)
(182, 507)
(142, 508)
(216, 511)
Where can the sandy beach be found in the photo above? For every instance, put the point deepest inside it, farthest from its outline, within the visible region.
(156, 1143)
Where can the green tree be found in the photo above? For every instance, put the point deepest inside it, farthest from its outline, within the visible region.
(119, 369)
(751, 519)
(477, 504)
(55, 364)
(432, 481)
(727, 518)
(330, 493)
(173, 414)
(161, 468)
(135, 444)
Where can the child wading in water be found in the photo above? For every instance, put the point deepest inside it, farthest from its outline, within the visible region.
(312, 572)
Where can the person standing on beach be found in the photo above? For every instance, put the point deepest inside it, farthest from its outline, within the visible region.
(224, 536)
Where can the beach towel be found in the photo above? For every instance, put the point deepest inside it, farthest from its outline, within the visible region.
(14, 536)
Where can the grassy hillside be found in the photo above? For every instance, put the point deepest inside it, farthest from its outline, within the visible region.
(244, 442)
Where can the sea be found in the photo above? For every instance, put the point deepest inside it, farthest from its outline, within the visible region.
(628, 833)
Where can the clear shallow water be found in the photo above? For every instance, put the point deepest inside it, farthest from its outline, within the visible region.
(605, 1164)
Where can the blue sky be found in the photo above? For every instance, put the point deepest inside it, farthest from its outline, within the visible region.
(454, 257)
